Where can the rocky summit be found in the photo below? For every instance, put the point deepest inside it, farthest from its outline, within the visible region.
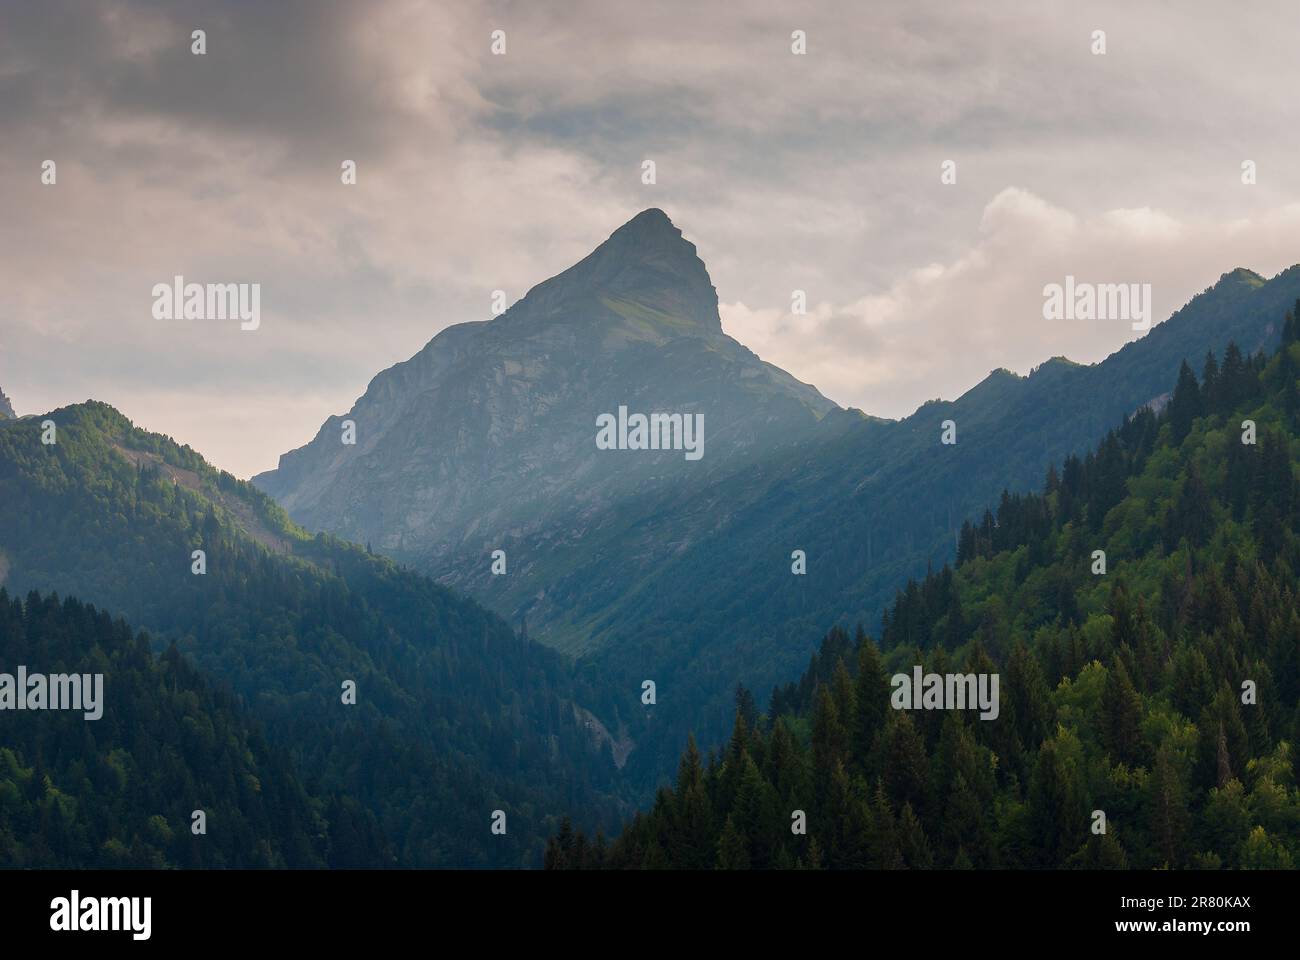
(489, 434)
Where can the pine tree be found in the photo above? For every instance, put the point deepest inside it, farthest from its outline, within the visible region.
(912, 842)
(885, 851)
(1121, 715)
(1233, 378)
(814, 861)
(753, 814)
(1028, 700)
(1168, 805)
(692, 840)
(784, 767)
(1261, 852)
(871, 700)
(1057, 813)
(733, 852)
(1222, 740)
(1222, 762)
(1210, 381)
(829, 738)
(906, 771)
(1185, 406)
(1101, 852)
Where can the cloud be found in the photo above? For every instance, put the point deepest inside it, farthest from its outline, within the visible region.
(941, 328)
(478, 172)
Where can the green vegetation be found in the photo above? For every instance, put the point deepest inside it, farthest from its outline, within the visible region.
(1163, 693)
(456, 716)
(119, 791)
(872, 504)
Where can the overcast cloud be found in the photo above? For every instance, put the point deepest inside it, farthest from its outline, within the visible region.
(478, 172)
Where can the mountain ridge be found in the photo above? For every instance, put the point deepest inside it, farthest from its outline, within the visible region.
(870, 504)
(1122, 689)
(462, 438)
(686, 577)
(647, 256)
(454, 715)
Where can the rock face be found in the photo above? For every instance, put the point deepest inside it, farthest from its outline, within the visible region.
(6, 408)
(490, 431)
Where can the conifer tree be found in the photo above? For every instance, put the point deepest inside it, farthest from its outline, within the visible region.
(733, 853)
(1121, 716)
(829, 738)
(1185, 406)
(885, 852)
(913, 845)
(906, 772)
(1168, 805)
(871, 701)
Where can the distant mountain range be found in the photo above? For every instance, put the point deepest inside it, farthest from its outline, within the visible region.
(648, 566)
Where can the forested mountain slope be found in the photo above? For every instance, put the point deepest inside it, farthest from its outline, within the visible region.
(454, 715)
(121, 790)
(1161, 693)
(871, 504)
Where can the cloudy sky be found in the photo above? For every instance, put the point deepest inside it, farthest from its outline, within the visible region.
(478, 172)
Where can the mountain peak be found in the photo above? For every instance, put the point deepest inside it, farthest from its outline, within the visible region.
(1241, 275)
(649, 224)
(650, 231)
(6, 408)
(645, 263)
